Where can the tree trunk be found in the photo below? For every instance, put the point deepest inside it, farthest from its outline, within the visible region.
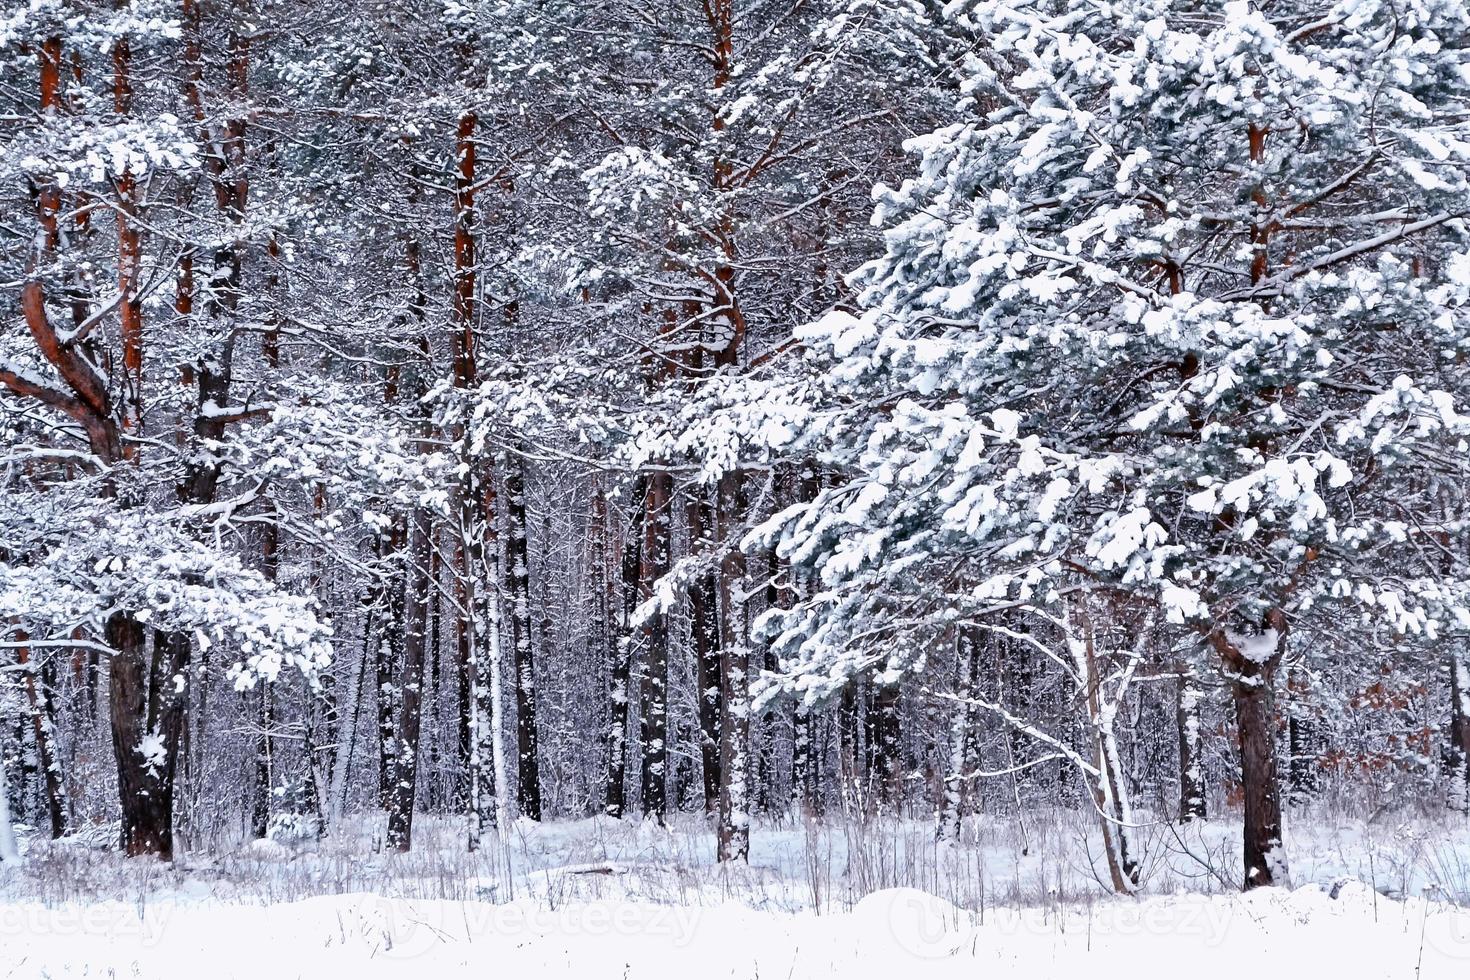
(146, 718)
(1459, 748)
(410, 686)
(387, 657)
(40, 698)
(261, 787)
(631, 567)
(655, 713)
(704, 629)
(1191, 765)
(518, 580)
(1302, 770)
(884, 768)
(8, 850)
(961, 732)
(1250, 664)
(734, 817)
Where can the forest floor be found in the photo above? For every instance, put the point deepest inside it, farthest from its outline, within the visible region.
(1385, 896)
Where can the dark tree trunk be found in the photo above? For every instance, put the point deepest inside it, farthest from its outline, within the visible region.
(704, 629)
(260, 809)
(1251, 670)
(410, 686)
(387, 655)
(630, 573)
(733, 829)
(884, 770)
(40, 687)
(1303, 772)
(518, 579)
(655, 680)
(146, 714)
(849, 754)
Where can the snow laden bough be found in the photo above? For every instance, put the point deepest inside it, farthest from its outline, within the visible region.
(163, 608)
(1153, 331)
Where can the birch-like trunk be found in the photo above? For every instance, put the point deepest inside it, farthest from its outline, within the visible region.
(8, 850)
(733, 829)
(1459, 747)
(1191, 766)
(961, 733)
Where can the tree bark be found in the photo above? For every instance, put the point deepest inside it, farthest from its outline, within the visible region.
(1303, 772)
(388, 654)
(1250, 664)
(40, 698)
(961, 732)
(518, 581)
(146, 715)
(631, 567)
(733, 829)
(1459, 747)
(410, 686)
(655, 714)
(704, 629)
(1188, 695)
(884, 768)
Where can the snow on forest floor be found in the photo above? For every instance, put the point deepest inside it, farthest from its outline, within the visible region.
(1381, 897)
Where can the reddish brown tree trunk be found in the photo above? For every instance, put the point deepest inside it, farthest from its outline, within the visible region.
(1251, 671)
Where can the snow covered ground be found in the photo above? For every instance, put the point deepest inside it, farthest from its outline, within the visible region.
(593, 898)
(896, 933)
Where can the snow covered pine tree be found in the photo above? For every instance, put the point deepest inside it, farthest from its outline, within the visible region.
(1172, 315)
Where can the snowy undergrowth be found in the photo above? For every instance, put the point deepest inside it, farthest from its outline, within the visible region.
(1374, 896)
(1048, 858)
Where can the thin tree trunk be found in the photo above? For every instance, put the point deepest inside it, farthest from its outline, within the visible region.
(1191, 766)
(8, 850)
(489, 786)
(387, 658)
(1302, 770)
(848, 754)
(42, 709)
(655, 713)
(1459, 747)
(884, 769)
(733, 829)
(961, 732)
(518, 581)
(704, 629)
(1109, 791)
(347, 733)
(265, 738)
(410, 686)
(622, 662)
